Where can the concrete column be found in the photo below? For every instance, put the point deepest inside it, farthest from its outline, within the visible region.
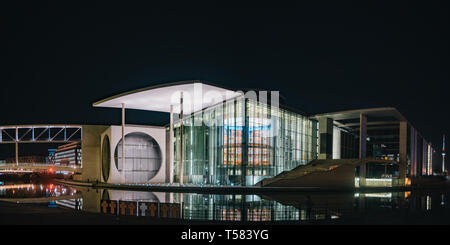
(181, 139)
(362, 136)
(123, 135)
(17, 153)
(171, 150)
(403, 135)
(336, 143)
(419, 154)
(325, 138)
(424, 156)
(429, 159)
(362, 148)
(413, 152)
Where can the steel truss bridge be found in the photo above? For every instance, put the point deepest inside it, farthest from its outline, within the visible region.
(40, 134)
(50, 133)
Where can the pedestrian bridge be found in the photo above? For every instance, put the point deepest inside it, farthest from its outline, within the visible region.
(48, 133)
(37, 167)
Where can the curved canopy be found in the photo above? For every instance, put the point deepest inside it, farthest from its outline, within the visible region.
(197, 95)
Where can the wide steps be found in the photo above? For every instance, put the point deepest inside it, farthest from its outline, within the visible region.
(315, 166)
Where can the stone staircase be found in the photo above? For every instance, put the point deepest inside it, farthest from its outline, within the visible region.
(314, 167)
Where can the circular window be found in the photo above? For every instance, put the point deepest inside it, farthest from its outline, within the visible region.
(106, 158)
(142, 157)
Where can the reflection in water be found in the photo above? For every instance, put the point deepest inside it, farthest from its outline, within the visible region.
(232, 207)
(235, 208)
(35, 190)
(131, 195)
(46, 193)
(294, 207)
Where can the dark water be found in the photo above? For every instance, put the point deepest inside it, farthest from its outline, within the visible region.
(292, 208)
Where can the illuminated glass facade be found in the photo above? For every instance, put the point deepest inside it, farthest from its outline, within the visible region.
(242, 142)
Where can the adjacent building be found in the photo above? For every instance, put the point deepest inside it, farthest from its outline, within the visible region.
(67, 154)
(376, 133)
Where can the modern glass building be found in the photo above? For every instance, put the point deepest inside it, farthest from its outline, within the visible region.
(218, 136)
(241, 142)
(225, 138)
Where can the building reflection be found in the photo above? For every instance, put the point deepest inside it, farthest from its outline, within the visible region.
(35, 191)
(428, 201)
(235, 208)
(409, 202)
(48, 194)
(232, 207)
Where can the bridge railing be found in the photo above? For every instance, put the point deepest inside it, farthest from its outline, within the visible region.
(40, 133)
(16, 165)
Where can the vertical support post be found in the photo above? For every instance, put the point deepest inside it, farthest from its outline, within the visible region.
(430, 160)
(17, 153)
(171, 151)
(325, 138)
(32, 133)
(362, 136)
(1, 134)
(17, 146)
(443, 154)
(123, 135)
(362, 148)
(403, 135)
(181, 138)
(245, 145)
(424, 157)
(65, 133)
(413, 152)
(419, 154)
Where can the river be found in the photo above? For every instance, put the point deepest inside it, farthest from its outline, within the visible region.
(291, 208)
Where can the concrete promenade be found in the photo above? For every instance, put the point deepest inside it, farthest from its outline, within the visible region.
(241, 189)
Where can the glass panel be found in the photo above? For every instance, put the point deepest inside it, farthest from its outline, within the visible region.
(242, 142)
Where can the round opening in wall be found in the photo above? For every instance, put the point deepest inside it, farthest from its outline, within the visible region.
(143, 157)
(106, 158)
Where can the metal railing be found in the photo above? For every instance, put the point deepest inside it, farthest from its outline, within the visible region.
(39, 167)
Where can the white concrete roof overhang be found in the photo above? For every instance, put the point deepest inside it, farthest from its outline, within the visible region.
(371, 112)
(197, 95)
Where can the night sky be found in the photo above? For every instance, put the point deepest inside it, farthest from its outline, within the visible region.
(57, 59)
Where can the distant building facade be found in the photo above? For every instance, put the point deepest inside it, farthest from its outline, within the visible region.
(377, 133)
(68, 154)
